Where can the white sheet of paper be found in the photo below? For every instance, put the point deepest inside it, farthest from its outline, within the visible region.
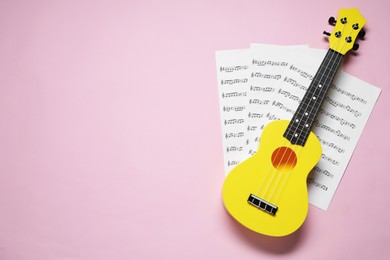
(341, 120)
(234, 85)
(232, 75)
(268, 64)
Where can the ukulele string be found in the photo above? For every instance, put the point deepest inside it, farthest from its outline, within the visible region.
(334, 61)
(270, 170)
(274, 169)
(267, 174)
(283, 172)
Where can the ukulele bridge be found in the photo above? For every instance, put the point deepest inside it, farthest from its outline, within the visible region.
(262, 204)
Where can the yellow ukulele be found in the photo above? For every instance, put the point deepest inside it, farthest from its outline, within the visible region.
(267, 193)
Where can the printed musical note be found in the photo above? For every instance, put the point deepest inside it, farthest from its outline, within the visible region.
(269, 63)
(233, 75)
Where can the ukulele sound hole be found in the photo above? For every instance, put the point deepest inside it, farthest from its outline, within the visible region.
(284, 158)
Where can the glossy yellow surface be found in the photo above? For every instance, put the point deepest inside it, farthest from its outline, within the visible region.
(280, 182)
(346, 29)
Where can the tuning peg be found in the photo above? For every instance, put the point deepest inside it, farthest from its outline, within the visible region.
(361, 34)
(355, 47)
(327, 33)
(332, 20)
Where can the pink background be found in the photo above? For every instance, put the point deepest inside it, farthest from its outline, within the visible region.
(110, 138)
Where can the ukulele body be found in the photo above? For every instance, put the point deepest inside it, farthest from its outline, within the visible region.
(277, 174)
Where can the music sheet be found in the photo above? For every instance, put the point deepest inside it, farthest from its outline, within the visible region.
(267, 65)
(232, 75)
(282, 81)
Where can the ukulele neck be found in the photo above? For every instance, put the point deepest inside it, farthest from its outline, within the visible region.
(298, 130)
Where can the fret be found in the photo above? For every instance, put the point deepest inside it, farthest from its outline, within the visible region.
(328, 70)
(303, 116)
(297, 139)
(298, 130)
(300, 127)
(312, 107)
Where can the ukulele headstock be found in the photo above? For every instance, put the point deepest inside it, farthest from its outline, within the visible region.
(347, 27)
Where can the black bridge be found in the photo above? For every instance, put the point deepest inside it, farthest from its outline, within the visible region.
(262, 204)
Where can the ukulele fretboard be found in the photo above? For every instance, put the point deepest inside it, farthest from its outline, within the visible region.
(298, 130)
